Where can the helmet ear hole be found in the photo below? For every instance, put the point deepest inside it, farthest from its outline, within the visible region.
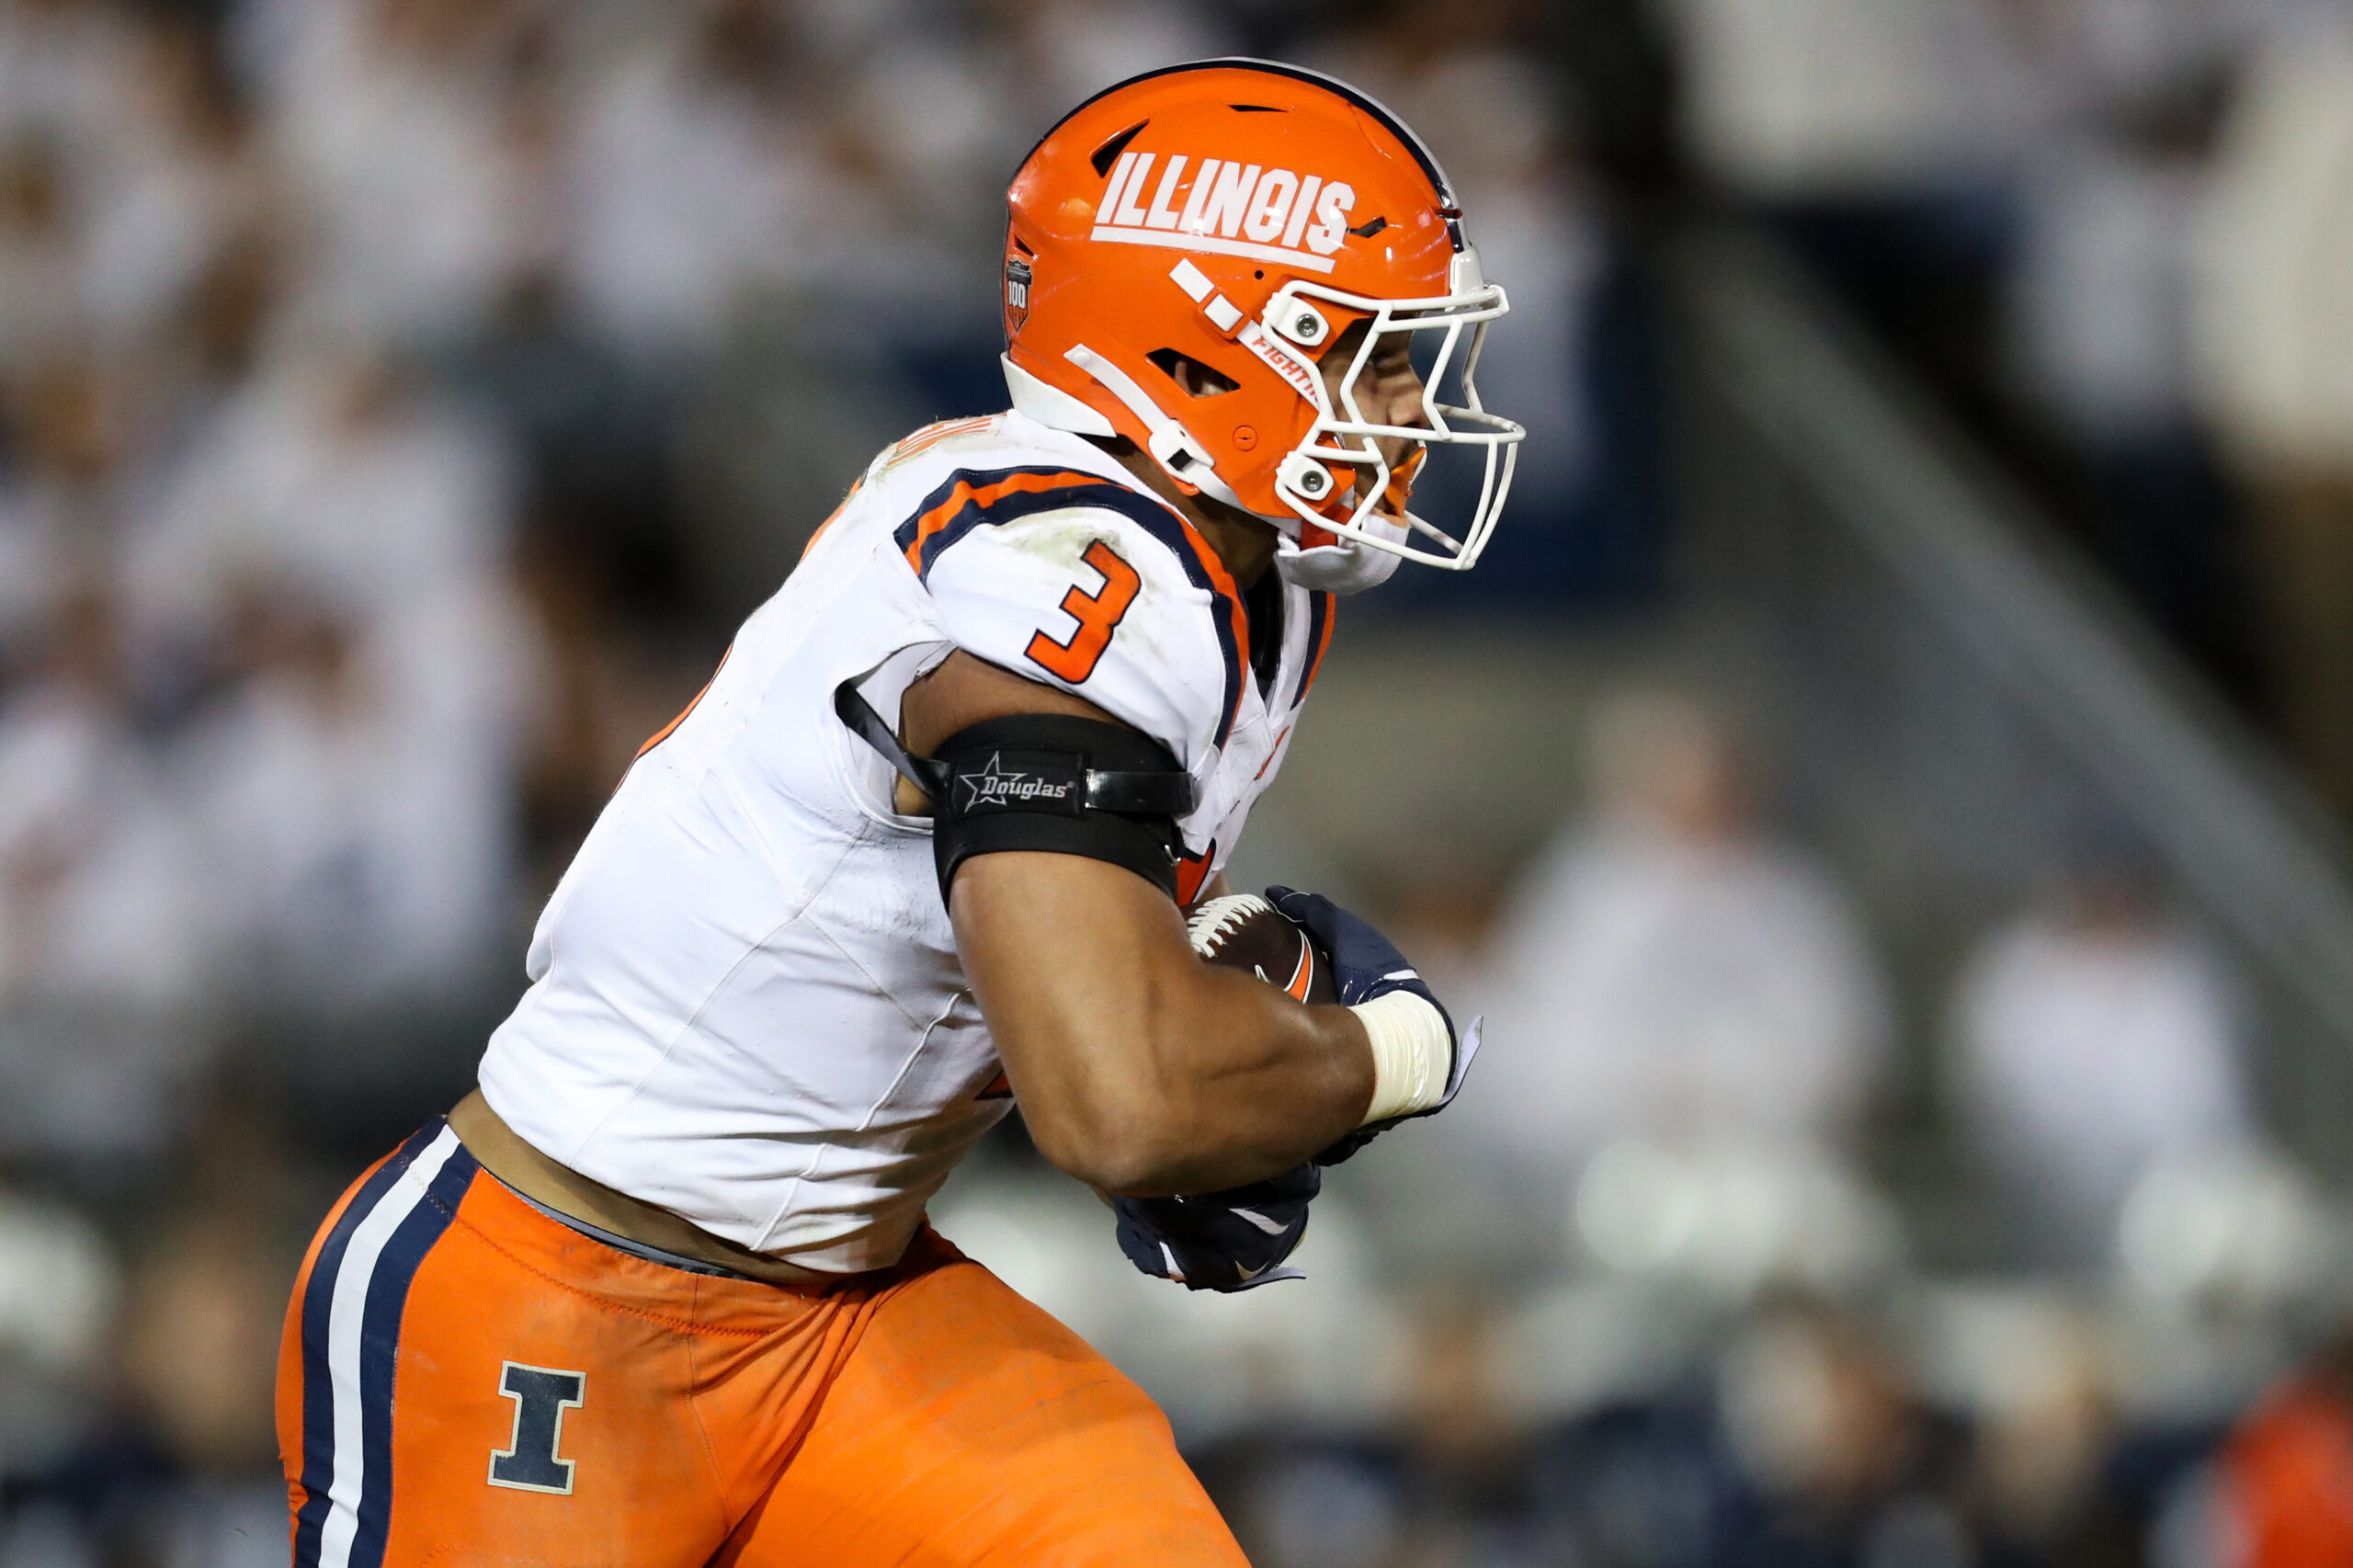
(1192, 377)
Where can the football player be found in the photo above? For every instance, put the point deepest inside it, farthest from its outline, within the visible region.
(660, 1290)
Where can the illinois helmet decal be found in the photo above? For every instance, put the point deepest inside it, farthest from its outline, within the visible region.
(1246, 216)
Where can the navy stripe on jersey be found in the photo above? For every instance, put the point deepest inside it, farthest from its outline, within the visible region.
(970, 496)
(352, 1307)
(925, 535)
(1319, 622)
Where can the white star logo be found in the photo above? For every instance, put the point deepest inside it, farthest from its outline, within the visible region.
(989, 783)
(998, 785)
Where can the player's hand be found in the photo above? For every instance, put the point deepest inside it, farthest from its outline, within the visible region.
(1228, 1241)
(1367, 965)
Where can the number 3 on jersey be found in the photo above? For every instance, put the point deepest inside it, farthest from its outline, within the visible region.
(1097, 614)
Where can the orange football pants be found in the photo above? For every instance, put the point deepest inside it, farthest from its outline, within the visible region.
(464, 1379)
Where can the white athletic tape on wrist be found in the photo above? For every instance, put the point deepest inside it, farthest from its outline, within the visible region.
(1411, 1054)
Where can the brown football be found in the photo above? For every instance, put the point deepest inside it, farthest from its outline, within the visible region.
(1243, 931)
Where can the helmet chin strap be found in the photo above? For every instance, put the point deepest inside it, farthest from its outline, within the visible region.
(1171, 444)
(1051, 406)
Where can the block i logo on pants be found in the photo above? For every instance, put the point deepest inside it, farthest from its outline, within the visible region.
(542, 1395)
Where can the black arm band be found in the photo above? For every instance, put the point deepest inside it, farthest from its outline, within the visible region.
(1025, 782)
(1043, 781)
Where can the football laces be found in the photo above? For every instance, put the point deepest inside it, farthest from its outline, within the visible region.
(1214, 923)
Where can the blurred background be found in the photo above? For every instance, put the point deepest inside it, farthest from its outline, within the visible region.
(1886, 787)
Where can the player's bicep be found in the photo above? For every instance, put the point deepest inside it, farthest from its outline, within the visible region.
(1063, 952)
(1076, 966)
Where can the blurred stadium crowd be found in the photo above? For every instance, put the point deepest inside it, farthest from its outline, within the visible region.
(401, 401)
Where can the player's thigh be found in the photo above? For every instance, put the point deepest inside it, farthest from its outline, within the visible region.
(440, 1401)
(968, 1428)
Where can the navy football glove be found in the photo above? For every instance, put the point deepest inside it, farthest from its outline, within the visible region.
(1225, 1241)
(1366, 964)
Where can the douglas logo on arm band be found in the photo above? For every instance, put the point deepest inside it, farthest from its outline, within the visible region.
(1039, 783)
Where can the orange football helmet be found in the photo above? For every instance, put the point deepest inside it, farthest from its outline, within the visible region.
(1245, 215)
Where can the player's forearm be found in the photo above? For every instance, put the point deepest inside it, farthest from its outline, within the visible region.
(1239, 1083)
(1207, 1080)
(1139, 1068)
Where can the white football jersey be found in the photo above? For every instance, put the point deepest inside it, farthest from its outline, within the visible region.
(746, 1003)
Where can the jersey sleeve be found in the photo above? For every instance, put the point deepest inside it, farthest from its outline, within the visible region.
(1084, 583)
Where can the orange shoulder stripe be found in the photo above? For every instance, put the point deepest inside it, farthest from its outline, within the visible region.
(980, 498)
